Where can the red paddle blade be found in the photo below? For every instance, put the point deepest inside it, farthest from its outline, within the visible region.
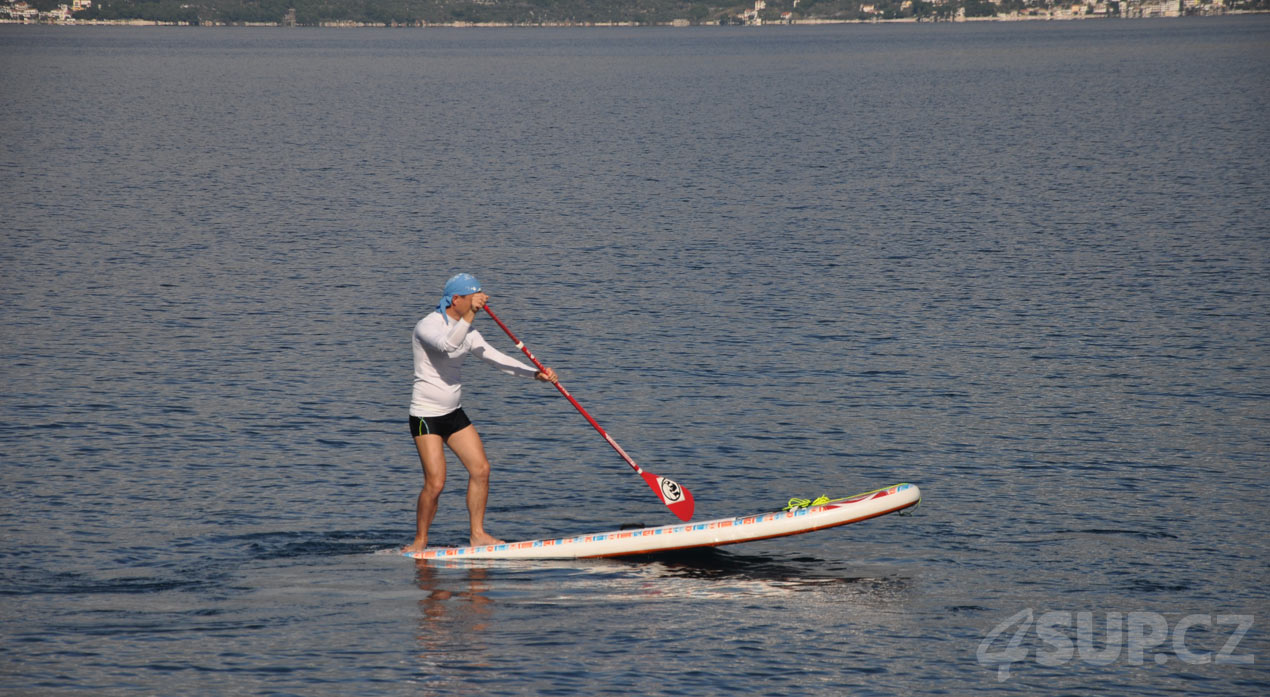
(682, 508)
(676, 498)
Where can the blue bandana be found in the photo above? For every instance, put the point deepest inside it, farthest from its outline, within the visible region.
(462, 284)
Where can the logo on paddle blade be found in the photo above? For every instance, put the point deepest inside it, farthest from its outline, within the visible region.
(670, 491)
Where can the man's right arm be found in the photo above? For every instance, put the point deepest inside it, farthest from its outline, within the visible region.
(443, 337)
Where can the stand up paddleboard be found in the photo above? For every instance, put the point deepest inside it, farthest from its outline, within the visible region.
(713, 533)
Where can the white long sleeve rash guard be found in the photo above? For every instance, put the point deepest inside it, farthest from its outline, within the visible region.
(439, 348)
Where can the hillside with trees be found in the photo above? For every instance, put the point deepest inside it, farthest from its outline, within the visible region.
(406, 12)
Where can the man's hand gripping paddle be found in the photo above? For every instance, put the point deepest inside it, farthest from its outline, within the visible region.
(677, 498)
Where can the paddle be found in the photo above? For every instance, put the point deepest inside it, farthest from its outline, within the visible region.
(677, 498)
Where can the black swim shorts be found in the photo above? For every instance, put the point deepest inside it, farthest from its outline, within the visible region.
(444, 426)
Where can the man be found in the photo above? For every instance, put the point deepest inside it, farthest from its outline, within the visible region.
(441, 341)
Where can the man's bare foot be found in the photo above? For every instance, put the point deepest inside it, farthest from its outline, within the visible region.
(484, 538)
(416, 546)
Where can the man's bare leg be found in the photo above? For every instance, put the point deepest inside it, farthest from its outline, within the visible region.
(432, 458)
(467, 445)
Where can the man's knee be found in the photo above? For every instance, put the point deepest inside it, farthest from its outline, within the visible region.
(432, 488)
(479, 472)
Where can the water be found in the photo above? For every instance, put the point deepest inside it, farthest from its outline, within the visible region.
(1023, 266)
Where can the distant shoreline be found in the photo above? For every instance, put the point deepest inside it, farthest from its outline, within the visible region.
(1054, 16)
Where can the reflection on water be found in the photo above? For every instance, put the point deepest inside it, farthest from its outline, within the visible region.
(455, 614)
(458, 593)
(559, 614)
(453, 610)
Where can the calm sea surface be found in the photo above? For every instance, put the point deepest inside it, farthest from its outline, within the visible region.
(1024, 266)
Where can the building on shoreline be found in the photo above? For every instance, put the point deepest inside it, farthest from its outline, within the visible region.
(25, 13)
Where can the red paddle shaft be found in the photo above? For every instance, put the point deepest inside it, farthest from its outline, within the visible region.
(677, 498)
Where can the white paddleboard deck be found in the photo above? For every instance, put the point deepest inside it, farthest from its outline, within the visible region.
(711, 533)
